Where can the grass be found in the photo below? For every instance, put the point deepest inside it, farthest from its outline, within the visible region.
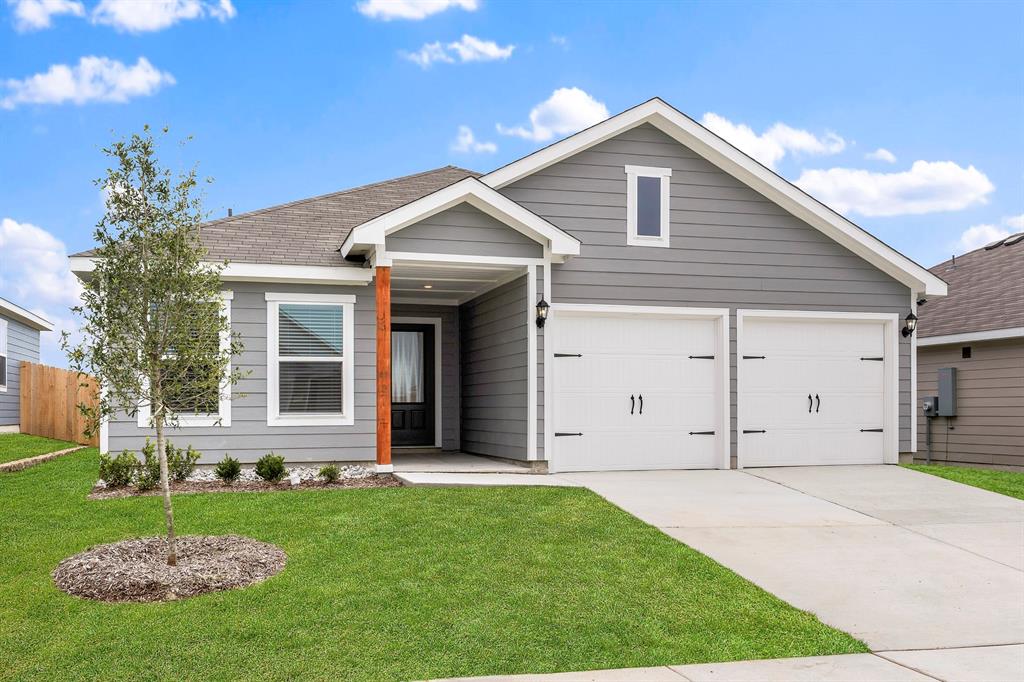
(1003, 482)
(14, 446)
(383, 584)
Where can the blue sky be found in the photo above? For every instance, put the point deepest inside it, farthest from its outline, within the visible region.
(291, 100)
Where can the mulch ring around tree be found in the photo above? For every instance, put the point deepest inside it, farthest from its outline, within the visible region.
(136, 570)
(375, 481)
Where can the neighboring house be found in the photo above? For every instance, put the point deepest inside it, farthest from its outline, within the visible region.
(702, 310)
(19, 340)
(979, 330)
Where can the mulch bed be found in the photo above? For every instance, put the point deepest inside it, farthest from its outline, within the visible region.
(136, 570)
(375, 481)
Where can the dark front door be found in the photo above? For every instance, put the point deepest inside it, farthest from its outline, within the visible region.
(412, 384)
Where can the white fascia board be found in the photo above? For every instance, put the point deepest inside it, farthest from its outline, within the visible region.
(26, 317)
(727, 157)
(266, 272)
(968, 337)
(470, 190)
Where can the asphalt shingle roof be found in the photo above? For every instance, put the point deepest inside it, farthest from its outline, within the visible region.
(986, 291)
(310, 231)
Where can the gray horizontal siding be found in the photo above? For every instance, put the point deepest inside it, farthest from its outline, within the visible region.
(450, 369)
(730, 246)
(22, 344)
(464, 230)
(494, 372)
(249, 437)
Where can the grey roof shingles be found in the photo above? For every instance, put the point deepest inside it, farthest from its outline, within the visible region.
(310, 231)
(986, 292)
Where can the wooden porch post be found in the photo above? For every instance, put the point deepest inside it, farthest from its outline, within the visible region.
(383, 278)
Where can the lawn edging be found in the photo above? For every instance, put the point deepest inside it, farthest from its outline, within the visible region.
(19, 464)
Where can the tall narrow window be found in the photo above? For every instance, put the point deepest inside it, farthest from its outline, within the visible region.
(309, 351)
(3, 355)
(647, 206)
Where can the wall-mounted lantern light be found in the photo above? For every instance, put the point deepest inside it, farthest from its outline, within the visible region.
(911, 320)
(542, 312)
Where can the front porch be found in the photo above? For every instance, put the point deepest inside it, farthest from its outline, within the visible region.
(437, 461)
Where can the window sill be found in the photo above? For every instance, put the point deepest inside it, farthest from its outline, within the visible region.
(659, 242)
(310, 420)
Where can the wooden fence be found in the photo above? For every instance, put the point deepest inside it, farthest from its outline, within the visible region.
(49, 402)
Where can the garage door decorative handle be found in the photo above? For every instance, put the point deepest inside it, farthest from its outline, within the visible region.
(872, 430)
(875, 359)
(810, 403)
(568, 355)
(632, 404)
(818, 398)
(754, 357)
(641, 403)
(702, 357)
(754, 431)
(702, 433)
(559, 434)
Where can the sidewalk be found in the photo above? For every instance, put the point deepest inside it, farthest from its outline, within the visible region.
(972, 664)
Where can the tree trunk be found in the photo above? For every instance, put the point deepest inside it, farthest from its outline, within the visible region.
(165, 486)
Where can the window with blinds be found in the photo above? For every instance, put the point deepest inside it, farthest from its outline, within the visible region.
(311, 359)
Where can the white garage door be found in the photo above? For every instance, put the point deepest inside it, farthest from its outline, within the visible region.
(811, 392)
(636, 391)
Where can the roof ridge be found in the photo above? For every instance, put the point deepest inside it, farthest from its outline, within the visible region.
(991, 246)
(305, 200)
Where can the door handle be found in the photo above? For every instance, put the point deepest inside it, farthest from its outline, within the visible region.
(810, 403)
(632, 404)
(641, 403)
(818, 407)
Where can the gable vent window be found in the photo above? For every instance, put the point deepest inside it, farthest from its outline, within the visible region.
(647, 206)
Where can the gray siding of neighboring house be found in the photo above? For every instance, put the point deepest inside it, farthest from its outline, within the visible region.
(464, 230)
(450, 372)
(494, 372)
(249, 437)
(989, 427)
(730, 246)
(22, 344)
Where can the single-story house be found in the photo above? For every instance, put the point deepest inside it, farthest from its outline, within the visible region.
(639, 295)
(19, 340)
(978, 331)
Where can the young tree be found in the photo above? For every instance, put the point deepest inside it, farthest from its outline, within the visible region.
(153, 327)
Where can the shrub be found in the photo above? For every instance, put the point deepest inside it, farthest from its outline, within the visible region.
(181, 463)
(117, 472)
(228, 470)
(270, 467)
(330, 473)
(147, 475)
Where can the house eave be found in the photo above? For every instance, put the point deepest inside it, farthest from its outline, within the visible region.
(82, 266)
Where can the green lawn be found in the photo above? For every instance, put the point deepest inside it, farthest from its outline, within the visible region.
(383, 584)
(1004, 482)
(15, 446)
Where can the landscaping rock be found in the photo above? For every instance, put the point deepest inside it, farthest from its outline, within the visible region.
(136, 570)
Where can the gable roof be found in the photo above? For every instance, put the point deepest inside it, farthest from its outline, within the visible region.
(741, 166)
(469, 191)
(986, 292)
(26, 317)
(309, 231)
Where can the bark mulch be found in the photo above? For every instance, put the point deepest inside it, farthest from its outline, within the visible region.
(136, 570)
(375, 481)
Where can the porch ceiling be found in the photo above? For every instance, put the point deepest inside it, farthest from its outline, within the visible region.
(447, 283)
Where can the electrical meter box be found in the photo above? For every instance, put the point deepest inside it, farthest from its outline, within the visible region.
(931, 406)
(947, 392)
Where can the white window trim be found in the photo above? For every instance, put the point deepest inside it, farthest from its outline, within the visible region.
(3, 351)
(223, 415)
(632, 173)
(274, 416)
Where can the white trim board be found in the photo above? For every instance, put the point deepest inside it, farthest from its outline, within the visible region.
(891, 409)
(266, 272)
(26, 317)
(438, 375)
(731, 160)
(968, 337)
(531, 362)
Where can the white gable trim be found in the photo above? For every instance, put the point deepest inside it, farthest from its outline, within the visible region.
(371, 234)
(26, 317)
(266, 272)
(731, 160)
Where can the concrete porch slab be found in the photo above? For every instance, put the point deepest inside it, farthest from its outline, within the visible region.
(460, 480)
(453, 462)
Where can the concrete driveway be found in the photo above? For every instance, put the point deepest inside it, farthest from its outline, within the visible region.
(900, 559)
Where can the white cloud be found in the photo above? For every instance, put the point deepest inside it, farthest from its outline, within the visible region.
(560, 41)
(977, 236)
(136, 16)
(466, 142)
(386, 10)
(568, 110)
(772, 145)
(93, 79)
(467, 49)
(33, 15)
(928, 187)
(34, 274)
(881, 154)
(1015, 222)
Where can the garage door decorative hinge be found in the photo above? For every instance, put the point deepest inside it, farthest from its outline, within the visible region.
(702, 357)
(754, 357)
(875, 359)
(702, 433)
(561, 433)
(754, 431)
(568, 355)
(872, 430)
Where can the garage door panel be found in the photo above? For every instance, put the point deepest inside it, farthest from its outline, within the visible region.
(621, 334)
(791, 447)
(841, 337)
(625, 452)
